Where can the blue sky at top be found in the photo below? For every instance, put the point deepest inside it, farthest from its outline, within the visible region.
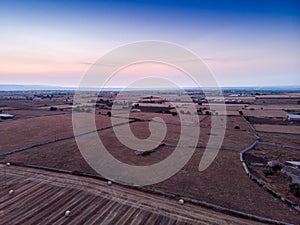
(54, 42)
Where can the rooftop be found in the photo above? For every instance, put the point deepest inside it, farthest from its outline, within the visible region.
(3, 115)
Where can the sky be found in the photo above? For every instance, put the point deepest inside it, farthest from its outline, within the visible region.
(244, 43)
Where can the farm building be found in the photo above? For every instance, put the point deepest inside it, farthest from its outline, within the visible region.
(154, 108)
(293, 117)
(293, 164)
(6, 116)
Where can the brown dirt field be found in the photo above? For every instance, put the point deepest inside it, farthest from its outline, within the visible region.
(14, 133)
(275, 107)
(280, 154)
(277, 100)
(265, 120)
(29, 104)
(277, 128)
(238, 139)
(60, 155)
(278, 182)
(232, 113)
(231, 140)
(224, 182)
(64, 106)
(283, 139)
(233, 121)
(275, 96)
(265, 113)
(92, 201)
(28, 113)
(57, 126)
(244, 98)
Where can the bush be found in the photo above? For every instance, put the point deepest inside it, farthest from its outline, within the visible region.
(109, 113)
(237, 127)
(268, 172)
(241, 113)
(295, 189)
(207, 113)
(53, 108)
(276, 168)
(174, 113)
(76, 172)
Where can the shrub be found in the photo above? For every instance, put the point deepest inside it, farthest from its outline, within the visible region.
(53, 108)
(237, 127)
(109, 113)
(76, 172)
(241, 113)
(276, 168)
(295, 189)
(268, 172)
(174, 113)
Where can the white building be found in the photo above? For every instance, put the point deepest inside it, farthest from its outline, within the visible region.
(293, 117)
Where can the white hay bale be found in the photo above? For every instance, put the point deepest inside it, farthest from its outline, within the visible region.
(181, 201)
(67, 212)
(10, 192)
(109, 183)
